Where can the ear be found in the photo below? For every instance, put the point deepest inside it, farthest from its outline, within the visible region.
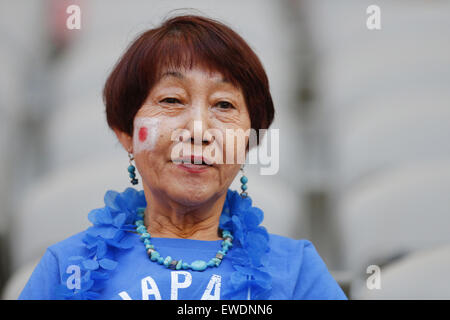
(125, 140)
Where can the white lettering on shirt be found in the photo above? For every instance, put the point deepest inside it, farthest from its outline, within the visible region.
(175, 284)
(215, 284)
(149, 287)
(152, 290)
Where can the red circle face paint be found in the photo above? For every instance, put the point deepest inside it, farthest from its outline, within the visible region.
(143, 132)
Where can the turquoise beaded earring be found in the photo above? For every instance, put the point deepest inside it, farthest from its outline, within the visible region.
(244, 181)
(132, 170)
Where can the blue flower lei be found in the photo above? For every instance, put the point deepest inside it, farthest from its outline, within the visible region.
(111, 232)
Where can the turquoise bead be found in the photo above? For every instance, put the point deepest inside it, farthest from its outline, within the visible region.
(179, 264)
(141, 229)
(216, 261)
(132, 175)
(160, 260)
(139, 223)
(131, 168)
(167, 261)
(145, 235)
(211, 263)
(147, 241)
(244, 179)
(198, 265)
(185, 266)
(244, 187)
(227, 243)
(155, 256)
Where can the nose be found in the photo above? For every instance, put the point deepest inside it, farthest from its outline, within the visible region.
(198, 124)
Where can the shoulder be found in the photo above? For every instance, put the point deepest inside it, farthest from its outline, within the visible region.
(47, 275)
(300, 261)
(71, 246)
(281, 245)
(299, 254)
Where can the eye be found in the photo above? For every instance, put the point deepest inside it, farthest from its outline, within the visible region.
(170, 100)
(225, 105)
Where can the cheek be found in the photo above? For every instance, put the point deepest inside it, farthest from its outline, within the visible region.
(146, 133)
(235, 145)
(154, 134)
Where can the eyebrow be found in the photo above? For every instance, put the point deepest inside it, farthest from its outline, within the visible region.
(175, 74)
(180, 76)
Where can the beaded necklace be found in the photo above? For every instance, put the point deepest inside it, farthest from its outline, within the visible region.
(168, 262)
(113, 231)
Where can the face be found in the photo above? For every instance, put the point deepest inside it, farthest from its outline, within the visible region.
(189, 113)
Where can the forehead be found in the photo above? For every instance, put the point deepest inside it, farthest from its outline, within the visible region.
(184, 74)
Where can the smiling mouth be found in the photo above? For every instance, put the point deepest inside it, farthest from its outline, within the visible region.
(190, 162)
(190, 166)
(193, 168)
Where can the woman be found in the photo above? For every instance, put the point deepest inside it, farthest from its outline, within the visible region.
(182, 86)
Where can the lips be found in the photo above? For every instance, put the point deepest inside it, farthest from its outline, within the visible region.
(194, 161)
(188, 164)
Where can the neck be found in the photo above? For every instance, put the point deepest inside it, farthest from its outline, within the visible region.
(169, 219)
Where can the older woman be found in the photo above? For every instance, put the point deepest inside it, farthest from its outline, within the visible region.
(182, 86)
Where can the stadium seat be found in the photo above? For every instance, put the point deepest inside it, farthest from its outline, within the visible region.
(422, 275)
(392, 214)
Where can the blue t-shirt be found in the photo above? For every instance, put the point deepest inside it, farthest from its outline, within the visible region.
(297, 271)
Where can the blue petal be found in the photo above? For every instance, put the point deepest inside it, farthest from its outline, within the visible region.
(90, 264)
(238, 229)
(119, 220)
(239, 256)
(86, 285)
(90, 240)
(107, 264)
(102, 249)
(238, 280)
(123, 202)
(110, 200)
(126, 242)
(252, 217)
(102, 231)
(100, 216)
(97, 275)
(224, 219)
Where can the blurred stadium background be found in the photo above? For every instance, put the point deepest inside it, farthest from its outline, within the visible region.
(364, 119)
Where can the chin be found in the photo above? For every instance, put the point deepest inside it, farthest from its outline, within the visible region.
(191, 194)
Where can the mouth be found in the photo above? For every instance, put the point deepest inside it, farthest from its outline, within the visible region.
(193, 164)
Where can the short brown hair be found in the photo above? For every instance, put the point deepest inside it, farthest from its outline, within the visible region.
(185, 41)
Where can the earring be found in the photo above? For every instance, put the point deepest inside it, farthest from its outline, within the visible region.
(244, 181)
(132, 170)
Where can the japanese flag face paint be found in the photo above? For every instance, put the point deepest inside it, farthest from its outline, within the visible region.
(146, 130)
